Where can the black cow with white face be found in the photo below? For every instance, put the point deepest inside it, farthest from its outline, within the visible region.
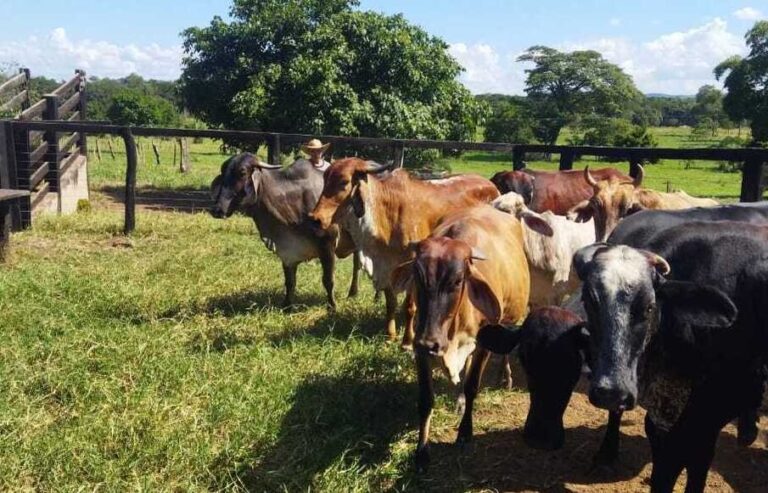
(279, 201)
(681, 329)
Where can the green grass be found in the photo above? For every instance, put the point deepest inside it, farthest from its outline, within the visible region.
(163, 365)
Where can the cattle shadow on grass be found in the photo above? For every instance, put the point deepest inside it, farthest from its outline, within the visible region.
(365, 321)
(340, 422)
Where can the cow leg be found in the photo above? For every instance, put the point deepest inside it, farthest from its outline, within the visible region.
(410, 317)
(328, 262)
(609, 448)
(391, 301)
(289, 273)
(377, 296)
(356, 265)
(505, 373)
(667, 464)
(426, 402)
(471, 387)
(700, 459)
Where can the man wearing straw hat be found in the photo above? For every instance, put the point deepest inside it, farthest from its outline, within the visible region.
(315, 149)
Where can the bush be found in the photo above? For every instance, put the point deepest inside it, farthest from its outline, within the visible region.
(131, 107)
(509, 123)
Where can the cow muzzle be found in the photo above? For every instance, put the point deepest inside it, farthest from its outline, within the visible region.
(431, 345)
(611, 396)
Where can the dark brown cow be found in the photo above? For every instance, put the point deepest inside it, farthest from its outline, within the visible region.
(386, 213)
(551, 191)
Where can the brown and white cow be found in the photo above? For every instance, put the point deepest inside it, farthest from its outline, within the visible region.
(557, 191)
(613, 199)
(469, 273)
(386, 213)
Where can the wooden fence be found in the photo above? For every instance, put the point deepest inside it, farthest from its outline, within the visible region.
(37, 158)
(752, 174)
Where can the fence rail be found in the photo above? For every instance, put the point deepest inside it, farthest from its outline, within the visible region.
(752, 174)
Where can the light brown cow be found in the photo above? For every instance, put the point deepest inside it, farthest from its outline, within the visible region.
(385, 214)
(613, 199)
(469, 273)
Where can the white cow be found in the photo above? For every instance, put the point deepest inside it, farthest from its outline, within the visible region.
(549, 257)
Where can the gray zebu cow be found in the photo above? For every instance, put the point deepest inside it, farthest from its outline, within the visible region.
(279, 199)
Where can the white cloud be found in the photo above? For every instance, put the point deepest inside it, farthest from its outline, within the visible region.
(485, 70)
(748, 14)
(677, 63)
(615, 22)
(57, 55)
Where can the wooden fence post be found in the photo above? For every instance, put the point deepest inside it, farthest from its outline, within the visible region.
(98, 150)
(184, 156)
(111, 150)
(518, 158)
(566, 159)
(174, 152)
(52, 156)
(157, 153)
(81, 140)
(273, 149)
(398, 154)
(130, 181)
(752, 181)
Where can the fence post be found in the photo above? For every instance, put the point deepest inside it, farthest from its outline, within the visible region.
(52, 155)
(273, 149)
(752, 180)
(130, 181)
(398, 154)
(518, 158)
(566, 159)
(81, 141)
(27, 75)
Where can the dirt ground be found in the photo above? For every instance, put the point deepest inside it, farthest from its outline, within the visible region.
(499, 460)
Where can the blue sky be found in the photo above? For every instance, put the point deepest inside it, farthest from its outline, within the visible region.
(667, 46)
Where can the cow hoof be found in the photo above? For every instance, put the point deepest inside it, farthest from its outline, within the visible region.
(406, 346)
(289, 307)
(464, 437)
(331, 307)
(421, 459)
(461, 405)
(352, 293)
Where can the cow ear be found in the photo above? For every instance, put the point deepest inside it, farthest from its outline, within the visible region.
(358, 206)
(482, 296)
(696, 305)
(580, 335)
(537, 223)
(583, 257)
(402, 276)
(498, 339)
(693, 320)
(581, 212)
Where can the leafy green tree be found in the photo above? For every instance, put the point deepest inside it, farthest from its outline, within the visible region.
(131, 107)
(313, 66)
(564, 87)
(708, 110)
(614, 132)
(747, 83)
(102, 91)
(509, 122)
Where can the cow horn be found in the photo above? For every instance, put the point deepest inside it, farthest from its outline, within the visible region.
(588, 177)
(477, 254)
(661, 265)
(374, 167)
(639, 178)
(263, 165)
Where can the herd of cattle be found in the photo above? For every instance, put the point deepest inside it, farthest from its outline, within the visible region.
(661, 298)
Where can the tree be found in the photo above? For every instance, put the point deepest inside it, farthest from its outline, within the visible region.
(747, 83)
(569, 86)
(708, 109)
(616, 132)
(131, 107)
(509, 122)
(312, 66)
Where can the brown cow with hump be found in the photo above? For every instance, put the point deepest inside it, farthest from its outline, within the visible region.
(471, 272)
(386, 212)
(613, 199)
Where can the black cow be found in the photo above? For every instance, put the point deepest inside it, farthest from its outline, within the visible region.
(688, 342)
(279, 201)
(637, 229)
(552, 348)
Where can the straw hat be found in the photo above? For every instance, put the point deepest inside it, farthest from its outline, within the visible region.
(314, 145)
